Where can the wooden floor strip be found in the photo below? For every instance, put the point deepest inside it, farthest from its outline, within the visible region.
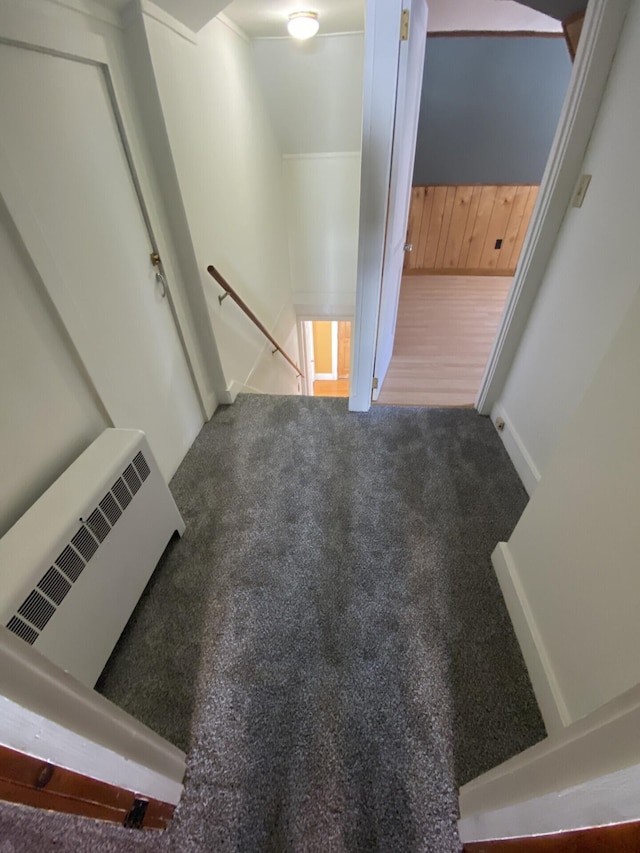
(444, 334)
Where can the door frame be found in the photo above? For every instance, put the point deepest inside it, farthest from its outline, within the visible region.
(598, 42)
(381, 55)
(305, 342)
(406, 116)
(25, 30)
(602, 27)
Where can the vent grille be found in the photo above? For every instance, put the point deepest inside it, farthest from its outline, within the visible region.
(109, 506)
(98, 525)
(39, 606)
(141, 466)
(84, 543)
(121, 492)
(36, 609)
(70, 563)
(132, 479)
(54, 585)
(22, 630)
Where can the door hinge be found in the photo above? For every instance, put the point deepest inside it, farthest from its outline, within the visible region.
(374, 383)
(155, 259)
(404, 25)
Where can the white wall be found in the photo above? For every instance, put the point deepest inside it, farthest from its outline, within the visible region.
(49, 412)
(229, 166)
(323, 195)
(574, 553)
(313, 91)
(572, 562)
(590, 281)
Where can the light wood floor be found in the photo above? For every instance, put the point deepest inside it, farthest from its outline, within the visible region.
(445, 330)
(331, 388)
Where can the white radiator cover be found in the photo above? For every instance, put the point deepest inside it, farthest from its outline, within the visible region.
(74, 566)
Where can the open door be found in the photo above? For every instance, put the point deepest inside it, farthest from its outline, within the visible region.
(410, 72)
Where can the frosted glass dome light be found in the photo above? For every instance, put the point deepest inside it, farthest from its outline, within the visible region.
(303, 25)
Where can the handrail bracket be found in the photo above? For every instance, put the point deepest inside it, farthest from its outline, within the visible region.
(229, 291)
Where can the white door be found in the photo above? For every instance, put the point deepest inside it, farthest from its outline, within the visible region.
(67, 183)
(410, 73)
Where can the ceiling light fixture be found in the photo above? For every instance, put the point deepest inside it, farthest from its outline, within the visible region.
(303, 25)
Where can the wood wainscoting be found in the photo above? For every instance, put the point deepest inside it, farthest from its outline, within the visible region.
(468, 229)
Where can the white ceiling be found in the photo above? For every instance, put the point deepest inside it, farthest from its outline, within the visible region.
(267, 18)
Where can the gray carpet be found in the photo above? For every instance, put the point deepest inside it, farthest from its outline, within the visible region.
(328, 640)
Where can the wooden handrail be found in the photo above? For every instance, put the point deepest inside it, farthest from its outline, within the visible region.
(224, 284)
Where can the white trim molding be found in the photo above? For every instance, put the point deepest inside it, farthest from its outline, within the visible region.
(224, 19)
(381, 48)
(602, 27)
(543, 680)
(522, 461)
(145, 7)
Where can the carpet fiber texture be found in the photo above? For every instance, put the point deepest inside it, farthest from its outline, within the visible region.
(328, 641)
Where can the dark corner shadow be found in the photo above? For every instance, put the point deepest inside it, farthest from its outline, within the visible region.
(495, 713)
(152, 671)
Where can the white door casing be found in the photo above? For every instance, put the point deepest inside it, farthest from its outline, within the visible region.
(410, 73)
(382, 55)
(603, 24)
(65, 178)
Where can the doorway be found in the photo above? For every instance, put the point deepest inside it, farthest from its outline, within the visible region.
(556, 189)
(327, 357)
(471, 204)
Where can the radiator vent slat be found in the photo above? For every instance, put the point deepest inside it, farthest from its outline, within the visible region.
(71, 563)
(142, 466)
(121, 492)
(98, 525)
(131, 478)
(36, 609)
(84, 543)
(110, 508)
(22, 630)
(54, 585)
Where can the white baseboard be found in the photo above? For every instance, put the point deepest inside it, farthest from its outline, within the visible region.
(231, 394)
(550, 700)
(228, 397)
(522, 462)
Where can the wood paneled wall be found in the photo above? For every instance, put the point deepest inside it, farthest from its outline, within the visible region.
(470, 229)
